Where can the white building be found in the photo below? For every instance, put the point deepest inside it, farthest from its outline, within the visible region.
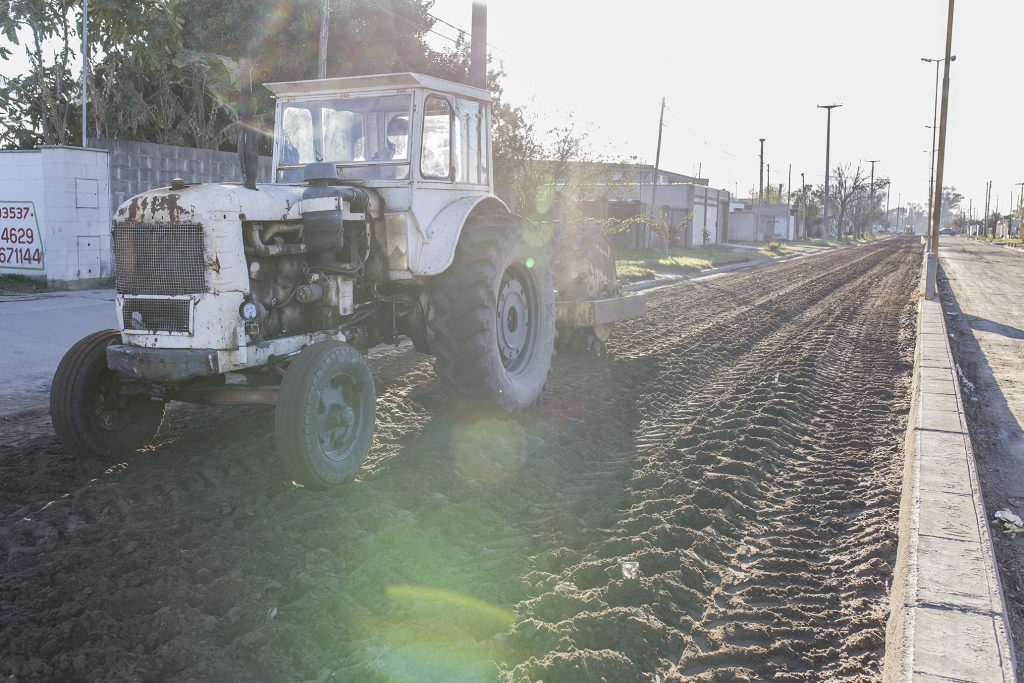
(55, 215)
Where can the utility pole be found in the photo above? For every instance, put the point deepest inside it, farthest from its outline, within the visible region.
(828, 145)
(85, 72)
(988, 200)
(1020, 197)
(899, 211)
(769, 183)
(871, 191)
(888, 194)
(789, 186)
(803, 195)
(325, 17)
(760, 193)
(657, 162)
(930, 288)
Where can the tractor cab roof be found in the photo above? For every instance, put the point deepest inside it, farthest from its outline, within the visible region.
(293, 90)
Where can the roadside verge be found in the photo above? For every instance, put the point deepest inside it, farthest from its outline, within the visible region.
(947, 618)
(665, 279)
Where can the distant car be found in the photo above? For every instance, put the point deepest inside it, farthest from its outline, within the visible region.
(947, 231)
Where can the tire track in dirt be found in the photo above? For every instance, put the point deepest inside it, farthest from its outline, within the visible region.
(169, 565)
(738, 510)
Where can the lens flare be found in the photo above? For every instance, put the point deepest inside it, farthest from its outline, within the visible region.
(485, 611)
(489, 449)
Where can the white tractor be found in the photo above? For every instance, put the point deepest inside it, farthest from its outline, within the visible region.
(381, 222)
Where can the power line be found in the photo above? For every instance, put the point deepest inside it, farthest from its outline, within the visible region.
(462, 31)
(415, 24)
(702, 138)
(421, 27)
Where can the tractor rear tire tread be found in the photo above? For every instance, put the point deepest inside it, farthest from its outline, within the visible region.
(462, 321)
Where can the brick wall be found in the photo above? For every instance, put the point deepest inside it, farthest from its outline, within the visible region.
(139, 166)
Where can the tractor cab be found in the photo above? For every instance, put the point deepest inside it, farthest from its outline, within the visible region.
(387, 130)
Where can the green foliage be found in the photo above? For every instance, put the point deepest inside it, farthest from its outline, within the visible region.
(171, 70)
(640, 264)
(39, 106)
(657, 223)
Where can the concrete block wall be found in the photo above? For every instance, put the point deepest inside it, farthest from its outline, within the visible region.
(69, 189)
(139, 166)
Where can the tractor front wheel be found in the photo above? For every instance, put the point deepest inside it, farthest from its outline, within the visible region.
(90, 415)
(325, 414)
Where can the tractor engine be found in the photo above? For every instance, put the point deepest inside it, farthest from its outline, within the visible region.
(245, 275)
(303, 274)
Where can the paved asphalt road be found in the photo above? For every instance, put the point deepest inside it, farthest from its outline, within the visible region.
(35, 331)
(983, 297)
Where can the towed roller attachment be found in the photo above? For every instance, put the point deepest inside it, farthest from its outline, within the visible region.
(589, 298)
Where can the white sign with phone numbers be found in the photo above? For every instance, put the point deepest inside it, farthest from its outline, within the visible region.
(21, 244)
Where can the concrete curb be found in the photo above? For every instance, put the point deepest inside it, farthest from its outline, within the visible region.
(947, 616)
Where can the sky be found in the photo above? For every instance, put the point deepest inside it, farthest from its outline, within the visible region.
(733, 71)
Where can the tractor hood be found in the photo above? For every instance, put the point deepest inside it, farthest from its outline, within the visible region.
(214, 201)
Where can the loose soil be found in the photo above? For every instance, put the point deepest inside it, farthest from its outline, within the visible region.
(742, 445)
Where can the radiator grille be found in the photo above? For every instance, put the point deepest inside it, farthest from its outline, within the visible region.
(155, 258)
(156, 315)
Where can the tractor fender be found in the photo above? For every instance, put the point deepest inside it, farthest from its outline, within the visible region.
(436, 252)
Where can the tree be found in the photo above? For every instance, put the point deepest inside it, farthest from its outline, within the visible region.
(807, 201)
(40, 106)
(950, 204)
(868, 206)
(153, 80)
(847, 188)
(916, 215)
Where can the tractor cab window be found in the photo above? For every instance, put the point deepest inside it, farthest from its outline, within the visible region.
(435, 159)
(470, 143)
(367, 137)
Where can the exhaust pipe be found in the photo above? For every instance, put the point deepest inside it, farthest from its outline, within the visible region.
(478, 47)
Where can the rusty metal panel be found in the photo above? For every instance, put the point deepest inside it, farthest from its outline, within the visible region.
(162, 365)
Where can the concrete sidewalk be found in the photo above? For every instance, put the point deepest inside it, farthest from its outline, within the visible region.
(35, 332)
(948, 618)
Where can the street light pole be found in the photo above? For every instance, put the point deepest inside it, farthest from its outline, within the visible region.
(828, 145)
(931, 171)
(930, 288)
(934, 127)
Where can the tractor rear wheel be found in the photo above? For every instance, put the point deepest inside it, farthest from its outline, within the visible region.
(91, 417)
(492, 314)
(325, 414)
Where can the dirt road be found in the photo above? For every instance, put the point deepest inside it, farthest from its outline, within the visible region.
(743, 446)
(981, 287)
